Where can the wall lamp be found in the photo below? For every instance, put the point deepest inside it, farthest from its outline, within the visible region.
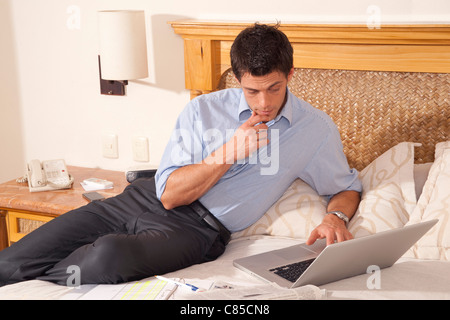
(123, 49)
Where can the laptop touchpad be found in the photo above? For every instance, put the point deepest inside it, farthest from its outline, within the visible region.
(295, 252)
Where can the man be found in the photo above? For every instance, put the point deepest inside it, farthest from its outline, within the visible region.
(310, 147)
(232, 155)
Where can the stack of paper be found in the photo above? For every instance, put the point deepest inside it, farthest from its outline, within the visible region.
(145, 289)
(93, 184)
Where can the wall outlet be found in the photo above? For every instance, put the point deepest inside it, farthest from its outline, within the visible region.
(140, 149)
(109, 146)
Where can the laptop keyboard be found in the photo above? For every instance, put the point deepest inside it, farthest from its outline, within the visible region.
(293, 271)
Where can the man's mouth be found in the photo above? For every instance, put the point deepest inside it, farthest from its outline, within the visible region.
(265, 113)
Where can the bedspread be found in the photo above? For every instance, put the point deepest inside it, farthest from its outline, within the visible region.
(407, 279)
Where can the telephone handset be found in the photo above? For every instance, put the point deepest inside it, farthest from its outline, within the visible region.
(48, 175)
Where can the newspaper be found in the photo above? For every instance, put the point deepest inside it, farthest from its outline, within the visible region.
(260, 292)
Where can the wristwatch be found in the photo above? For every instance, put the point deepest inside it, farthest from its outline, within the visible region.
(340, 215)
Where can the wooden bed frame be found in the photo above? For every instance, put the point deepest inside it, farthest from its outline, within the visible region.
(413, 48)
(409, 53)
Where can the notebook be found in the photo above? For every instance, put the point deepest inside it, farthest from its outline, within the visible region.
(319, 264)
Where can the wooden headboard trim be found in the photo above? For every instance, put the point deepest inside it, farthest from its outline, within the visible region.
(404, 48)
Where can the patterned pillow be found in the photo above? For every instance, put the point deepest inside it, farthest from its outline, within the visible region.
(433, 203)
(388, 196)
(388, 199)
(294, 215)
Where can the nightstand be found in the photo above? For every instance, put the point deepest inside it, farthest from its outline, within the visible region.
(22, 211)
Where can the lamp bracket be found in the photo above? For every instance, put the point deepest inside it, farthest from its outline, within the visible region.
(111, 87)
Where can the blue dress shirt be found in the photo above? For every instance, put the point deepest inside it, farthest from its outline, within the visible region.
(304, 143)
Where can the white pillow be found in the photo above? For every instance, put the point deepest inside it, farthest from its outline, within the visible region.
(387, 200)
(421, 171)
(388, 196)
(433, 203)
(294, 215)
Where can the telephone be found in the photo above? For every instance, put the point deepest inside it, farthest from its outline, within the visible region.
(48, 175)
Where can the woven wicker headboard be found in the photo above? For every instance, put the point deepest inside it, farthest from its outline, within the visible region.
(376, 110)
(380, 86)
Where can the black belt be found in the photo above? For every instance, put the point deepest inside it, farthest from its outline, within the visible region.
(211, 221)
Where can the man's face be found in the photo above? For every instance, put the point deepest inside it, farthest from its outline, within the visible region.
(266, 94)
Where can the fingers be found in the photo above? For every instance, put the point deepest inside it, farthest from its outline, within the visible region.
(255, 119)
(320, 233)
(245, 142)
(249, 137)
(255, 123)
(312, 237)
(331, 233)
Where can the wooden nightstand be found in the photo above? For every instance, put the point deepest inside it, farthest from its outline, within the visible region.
(22, 211)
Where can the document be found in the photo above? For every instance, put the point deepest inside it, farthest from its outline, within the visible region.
(146, 289)
(262, 292)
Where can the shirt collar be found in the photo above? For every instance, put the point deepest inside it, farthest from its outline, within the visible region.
(244, 110)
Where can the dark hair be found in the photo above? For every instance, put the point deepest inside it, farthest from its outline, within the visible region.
(260, 50)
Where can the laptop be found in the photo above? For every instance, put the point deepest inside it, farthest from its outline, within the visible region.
(319, 264)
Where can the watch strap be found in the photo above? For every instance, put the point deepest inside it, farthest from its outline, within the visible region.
(340, 215)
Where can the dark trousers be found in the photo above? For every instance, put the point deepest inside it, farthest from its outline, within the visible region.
(124, 238)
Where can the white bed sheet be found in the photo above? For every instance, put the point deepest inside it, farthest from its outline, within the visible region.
(407, 279)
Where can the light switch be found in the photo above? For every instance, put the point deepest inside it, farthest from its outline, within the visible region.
(140, 149)
(109, 146)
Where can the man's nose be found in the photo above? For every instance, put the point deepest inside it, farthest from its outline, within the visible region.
(263, 100)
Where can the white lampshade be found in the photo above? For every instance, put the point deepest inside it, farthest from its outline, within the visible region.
(123, 45)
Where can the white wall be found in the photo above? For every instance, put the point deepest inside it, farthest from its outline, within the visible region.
(12, 143)
(50, 105)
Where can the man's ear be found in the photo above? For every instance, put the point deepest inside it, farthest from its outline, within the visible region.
(291, 73)
(236, 79)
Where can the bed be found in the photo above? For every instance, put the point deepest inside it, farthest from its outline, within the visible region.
(388, 90)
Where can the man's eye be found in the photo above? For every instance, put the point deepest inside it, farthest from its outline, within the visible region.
(276, 89)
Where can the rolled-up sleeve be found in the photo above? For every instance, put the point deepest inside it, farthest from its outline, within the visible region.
(328, 172)
(184, 147)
